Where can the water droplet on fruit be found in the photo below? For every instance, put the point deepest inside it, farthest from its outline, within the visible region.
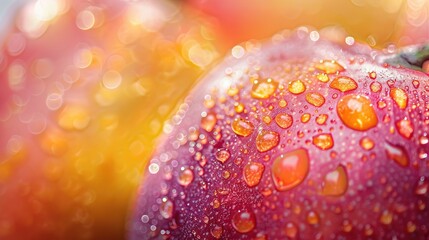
(400, 97)
(397, 153)
(252, 173)
(405, 128)
(312, 218)
(373, 75)
(296, 87)
(315, 99)
(329, 66)
(375, 87)
(216, 231)
(321, 119)
(242, 127)
(411, 227)
(357, 112)
(422, 187)
(208, 121)
(244, 221)
(291, 230)
(166, 208)
(284, 120)
(347, 226)
(386, 217)
(416, 83)
(290, 169)
(423, 140)
(238, 107)
(366, 143)
(323, 141)
(186, 176)
(323, 77)
(266, 140)
(266, 119)
(222, 155)
(282, 103)
(344, 84)
(335, 182)
(263, 89)
(305, 117)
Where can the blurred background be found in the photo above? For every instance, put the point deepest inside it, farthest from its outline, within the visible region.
(87, 86)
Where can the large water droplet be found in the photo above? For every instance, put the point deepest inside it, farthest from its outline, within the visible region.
(290, 169)
(400, 97)
(357, 112)
(315, 99)
(344, 84)
(244, 221)
(284, 120)
(335, 182)
(296, 87)
(323, 141)
(397, 153)
(267, 140)
(252, 173)
(263, 89)
(242, 127)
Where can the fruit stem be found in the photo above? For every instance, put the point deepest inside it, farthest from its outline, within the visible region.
(415, 57)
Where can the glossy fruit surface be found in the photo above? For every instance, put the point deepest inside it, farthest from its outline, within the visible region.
(80, 106)
(293, 139)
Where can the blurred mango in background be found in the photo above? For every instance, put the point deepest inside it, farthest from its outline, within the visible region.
(87, 85)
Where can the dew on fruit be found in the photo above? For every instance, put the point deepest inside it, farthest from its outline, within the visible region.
(252, 173)
(291, 230)
(284, 120)
(222, 155)
(282, 103)
(397, 153)
(267, 140)
(411, 227)
(381, 104)
(416, 83)
(305, 117)
(296, 87)
(372, 75)
(347, 226)
(323, 141)
(357, 112)
(166, 208)
(400, 97)
(208, 121)
(375, 87)
(290, 169)
(238, 107)
(216, 231)
(244, 221)
(242, 127)
(186, 176)
(329, 66)
(323, 77)
(209, 102)
(422, 187)
(335, 183)
(263, 89)
(343, 84)
(423, 140)
(312, 218)
(405, 128)
(266, 119)
(315, 99)
(366, 143)
(321, 119)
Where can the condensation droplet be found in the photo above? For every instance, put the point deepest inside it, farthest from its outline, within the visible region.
(216, 231)
(208, 121)
(315, 99)
(267, 140)
(329, 66)
(312, 218)
(283, 120)
(244, 221)
(323, 141)
(222, 155)
(357, 112)
(291, 230)
(366, 143)
(386, 217)
(400, 97)
(375, 87)
(372, 75)
(422, 187)
(185, 177)
(290, 169)
(344, 84)
(252, 173)
(405, 128)
(166, 209)
(335, 182)
(323, 77)
(397, 153)
(263, 89)
(305, 117)
(242, 127)
(296, 87)
(321, 119)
